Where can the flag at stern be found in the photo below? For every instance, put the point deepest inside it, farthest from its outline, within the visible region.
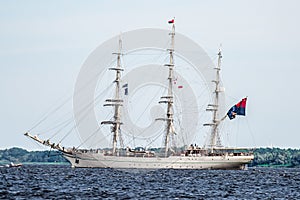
(237, 109)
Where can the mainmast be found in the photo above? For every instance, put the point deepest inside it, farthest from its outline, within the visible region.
(169, 98)
(116, 102)
(215, 137)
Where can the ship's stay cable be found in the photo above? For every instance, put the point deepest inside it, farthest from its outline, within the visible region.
(58, 124)
(84, 114)
(96, 131)
(50, 113)
(159, 55)
(67, 99)
(150, 142)
(69, 121)
(97, 141)
(140, 116)
(197, 109)
(236, 135)
(95, 76)
(66, 121)
(251, 132)
(93, 133)
(136, 136)
(154, 139)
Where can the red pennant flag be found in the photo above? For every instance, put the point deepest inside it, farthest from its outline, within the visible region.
(171, 21)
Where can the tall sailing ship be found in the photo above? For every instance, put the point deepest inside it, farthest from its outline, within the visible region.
(211, 156)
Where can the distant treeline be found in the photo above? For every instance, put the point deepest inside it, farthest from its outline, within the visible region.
(18, 155)
(275, 157)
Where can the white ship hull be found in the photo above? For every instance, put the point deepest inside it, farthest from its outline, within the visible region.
(98, 160)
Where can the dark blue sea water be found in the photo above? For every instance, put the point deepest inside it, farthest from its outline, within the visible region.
(63, 182)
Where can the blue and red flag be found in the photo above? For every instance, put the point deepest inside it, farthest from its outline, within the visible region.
(237, 109)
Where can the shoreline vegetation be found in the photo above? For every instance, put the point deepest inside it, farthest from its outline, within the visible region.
(263, 157)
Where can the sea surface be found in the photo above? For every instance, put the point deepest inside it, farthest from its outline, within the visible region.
(63, 182)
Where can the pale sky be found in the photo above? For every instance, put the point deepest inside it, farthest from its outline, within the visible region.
(43, 45)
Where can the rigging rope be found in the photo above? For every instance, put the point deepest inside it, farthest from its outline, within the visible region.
(85, 112)
(98, 128)
(53, 111)
(64, 102)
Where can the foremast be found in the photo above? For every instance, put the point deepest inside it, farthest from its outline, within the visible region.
(116, 102)
(169, 99)
(214, 108)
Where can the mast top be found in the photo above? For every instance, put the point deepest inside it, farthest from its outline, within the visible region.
(172, 33)
(220, 48)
